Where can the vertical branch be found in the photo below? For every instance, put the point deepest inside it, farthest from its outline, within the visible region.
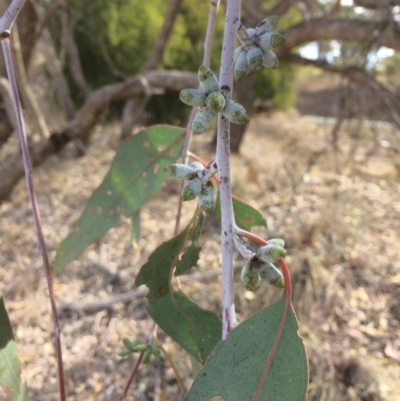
(223, 160)
(35, 208)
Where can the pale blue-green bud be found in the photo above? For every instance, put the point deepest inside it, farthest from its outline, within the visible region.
(250, 276)
(272, 275)
(255, 58)
(236, 54)
(192, 189)
(215, 102)
(245, 36)
(206, 197)
(193, 97)
(251, 32)
(196, 166)
(235, 112)
(277, 241)
(270, 253)
(202, 121)
(181, 171)
(270, 41)
(267, 25)
(242, 67)
(270, 60)
(207, 79)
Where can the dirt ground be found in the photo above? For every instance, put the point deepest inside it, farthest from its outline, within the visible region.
(338, 211)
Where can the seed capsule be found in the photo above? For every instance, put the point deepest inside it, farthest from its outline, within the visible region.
(208, 80)
(181, 171)
(267, 25)
(191, 189)
(206, 197)
(272, 275)
(242, 67)
(270, 60)
(215, 102)
(255, 58)
(270, 253)
(193, 97)
(250, 276)
(235, 112)
(202, 121)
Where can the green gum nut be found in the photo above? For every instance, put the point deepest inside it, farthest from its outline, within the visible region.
(255, 58)
(207, 79)
(272, 275)
(206, 198)
(267, 25)
(181, 171)
(196, 166)
(192, 97)
(250, 277)
(237, 53)
(270, 253)
(202, 121)
(270, 60)
(235, 112)
(242, 67)
(215, 102)
(270, 41)
(192, 189)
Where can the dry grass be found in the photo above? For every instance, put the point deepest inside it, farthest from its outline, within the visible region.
(339, 215)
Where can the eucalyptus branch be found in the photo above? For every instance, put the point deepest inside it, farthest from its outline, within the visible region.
(5, 25)
(223, 161)
(212, 17)
(8, 18)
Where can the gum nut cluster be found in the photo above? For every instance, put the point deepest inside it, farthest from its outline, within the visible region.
(262, 266)
(255, 51)
(195, 188)
(211, 101)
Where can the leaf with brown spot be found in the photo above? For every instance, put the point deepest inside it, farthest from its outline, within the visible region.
(134, 177)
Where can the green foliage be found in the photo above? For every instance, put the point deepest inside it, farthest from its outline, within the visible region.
(134, 177)
(148, 350)
(246, 216)
(234, 371)
(10, 370)
(195, 329)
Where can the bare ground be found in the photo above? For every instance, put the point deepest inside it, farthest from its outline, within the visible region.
(339, 213)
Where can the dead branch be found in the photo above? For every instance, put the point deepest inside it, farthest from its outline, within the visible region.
(87, 118)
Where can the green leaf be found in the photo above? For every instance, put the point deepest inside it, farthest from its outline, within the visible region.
(135, 225)
(234, 370)
(245, 215)
(10, 370)
(134, 177)
(197, 330)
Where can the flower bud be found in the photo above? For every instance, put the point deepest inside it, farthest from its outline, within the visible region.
(193, 97)
(215, 102)
(272, 275)
(235, 112)
(242, 67)
(191, 189)
(196, 166)
(202, 120)
(267, 25)
(206, 197)
(270, 253)
(250, 276)
(245, 36)
(251, 32)
(237, 53)
(208, 80)
(255, 58)
(277, 241)
(181, 171)
(270, 60)
(270, 41)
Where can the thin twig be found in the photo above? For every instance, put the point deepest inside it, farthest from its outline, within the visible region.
(35, 209)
